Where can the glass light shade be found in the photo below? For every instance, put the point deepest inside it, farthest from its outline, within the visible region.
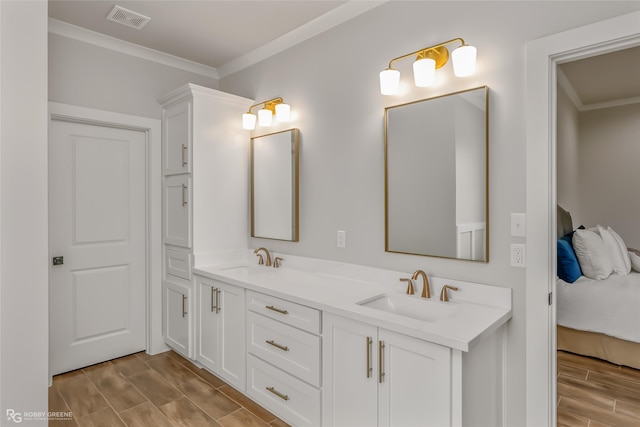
(389, 81)
(424, 72)
(464, 61)
(264, 117)
(283, 112)
(249, 121)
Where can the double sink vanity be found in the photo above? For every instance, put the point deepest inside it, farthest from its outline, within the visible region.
(325, 343)
(318, 342)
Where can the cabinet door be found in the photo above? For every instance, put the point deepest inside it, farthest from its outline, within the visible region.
(177, 210)
(416, 387)
(232, 366)
(177, 312)
(208, 323)
(350, 373)
(177, 137)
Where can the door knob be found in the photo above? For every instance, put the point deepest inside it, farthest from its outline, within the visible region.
(57, 260)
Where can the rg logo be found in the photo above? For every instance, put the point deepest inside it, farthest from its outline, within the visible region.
(14, 416)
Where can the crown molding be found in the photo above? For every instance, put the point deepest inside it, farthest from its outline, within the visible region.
(335, 17)
(97, 39)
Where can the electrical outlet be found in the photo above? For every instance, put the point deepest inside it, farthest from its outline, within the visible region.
(341, 240)
(518, 255)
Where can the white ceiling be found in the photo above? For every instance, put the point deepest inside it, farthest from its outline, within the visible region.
(604, 80)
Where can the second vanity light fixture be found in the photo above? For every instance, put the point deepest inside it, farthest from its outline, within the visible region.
(265, 114)
(427, 61)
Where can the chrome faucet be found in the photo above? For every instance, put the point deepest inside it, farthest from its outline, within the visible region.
(426, 292)
(267, 255)
(444, 296)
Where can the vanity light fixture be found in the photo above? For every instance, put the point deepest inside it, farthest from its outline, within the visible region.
(429, 59)
(265, 114)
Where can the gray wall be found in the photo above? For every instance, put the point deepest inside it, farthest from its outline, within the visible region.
(331, 81)
(608, 170)
(568, 149)
(24, 251)
(89, 76)
(597, 166)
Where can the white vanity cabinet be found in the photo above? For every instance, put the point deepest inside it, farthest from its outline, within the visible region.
(204, 164)
(220, 329)
(376, 377)
(284, 358)
(178, 303)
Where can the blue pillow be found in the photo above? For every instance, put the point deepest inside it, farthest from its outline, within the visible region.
(568, 265)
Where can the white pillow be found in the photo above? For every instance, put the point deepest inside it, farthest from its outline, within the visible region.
(635, 261)
(623, 249)
(617, 250)
(593, 254)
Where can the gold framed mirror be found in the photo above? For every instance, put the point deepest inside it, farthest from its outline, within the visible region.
(436, 176)
(274, 186)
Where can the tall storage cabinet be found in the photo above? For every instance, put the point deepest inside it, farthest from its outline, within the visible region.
(205, 163)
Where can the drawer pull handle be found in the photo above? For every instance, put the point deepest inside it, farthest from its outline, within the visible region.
(276, 345)
(277, 393)
(278, 310)
(369, 368)
(184, 198)
(184, 311)
(380, 361)
(184, 161)
(215, 306)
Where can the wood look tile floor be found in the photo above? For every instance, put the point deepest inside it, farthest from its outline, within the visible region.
(595, 393)
(164, 390)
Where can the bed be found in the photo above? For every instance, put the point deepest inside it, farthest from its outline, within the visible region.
(599, 318)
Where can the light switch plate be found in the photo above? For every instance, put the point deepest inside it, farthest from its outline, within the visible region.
(518, 225)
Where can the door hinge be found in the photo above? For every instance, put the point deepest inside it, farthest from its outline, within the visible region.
(550, 298)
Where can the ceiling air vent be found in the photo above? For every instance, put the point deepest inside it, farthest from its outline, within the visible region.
(127, 17)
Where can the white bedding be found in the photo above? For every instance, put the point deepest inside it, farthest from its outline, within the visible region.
(610, 306)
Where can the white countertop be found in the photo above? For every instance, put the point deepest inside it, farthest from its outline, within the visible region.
(476, 310)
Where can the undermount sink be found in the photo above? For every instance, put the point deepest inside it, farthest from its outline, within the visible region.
(413, 307)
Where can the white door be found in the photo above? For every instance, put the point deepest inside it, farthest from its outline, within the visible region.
(97, 223)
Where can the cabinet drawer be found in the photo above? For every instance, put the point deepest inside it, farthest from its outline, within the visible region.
(290, 349)
(288, 312)
(178, 263)
(294, 401)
